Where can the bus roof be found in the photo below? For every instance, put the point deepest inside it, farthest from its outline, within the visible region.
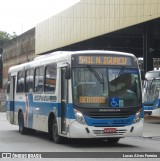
(60, 56)
(157, 78)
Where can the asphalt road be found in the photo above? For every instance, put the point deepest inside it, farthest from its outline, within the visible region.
(12, 141)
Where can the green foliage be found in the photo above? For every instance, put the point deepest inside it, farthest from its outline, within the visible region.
(4, 38)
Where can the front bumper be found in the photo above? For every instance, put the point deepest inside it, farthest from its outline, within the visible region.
(77, 130)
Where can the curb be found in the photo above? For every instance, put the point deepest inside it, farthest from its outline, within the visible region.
(151, 118)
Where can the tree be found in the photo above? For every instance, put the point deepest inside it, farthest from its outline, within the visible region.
(4, 38)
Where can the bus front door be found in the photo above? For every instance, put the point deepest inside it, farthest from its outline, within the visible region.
(64, 99)
(12, 99)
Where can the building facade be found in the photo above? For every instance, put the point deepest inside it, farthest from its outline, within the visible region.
(19, 50)
(91, 18)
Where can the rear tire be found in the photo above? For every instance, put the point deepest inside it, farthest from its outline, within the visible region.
(22, 129)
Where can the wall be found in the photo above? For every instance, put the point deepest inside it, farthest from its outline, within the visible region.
(17, 51)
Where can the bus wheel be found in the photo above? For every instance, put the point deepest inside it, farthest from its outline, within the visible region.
(113, 140)
(56, 138)
(22, 129)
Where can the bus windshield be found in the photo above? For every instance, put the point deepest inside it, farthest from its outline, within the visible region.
(153, 91)
(95, 87)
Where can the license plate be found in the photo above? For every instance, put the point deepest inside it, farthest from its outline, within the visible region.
(110, 130)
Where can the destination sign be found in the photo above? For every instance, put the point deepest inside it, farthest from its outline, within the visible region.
(85, 99)
(51, 81)
(104, 60)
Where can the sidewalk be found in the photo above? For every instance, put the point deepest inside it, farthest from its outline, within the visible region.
(146, 117)
(2, 108)
(151, 126)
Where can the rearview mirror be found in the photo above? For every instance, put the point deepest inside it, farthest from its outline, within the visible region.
(142, 74)
(68, 72)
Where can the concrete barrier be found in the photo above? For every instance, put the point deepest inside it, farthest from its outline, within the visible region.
(2, 108)
(2, 100)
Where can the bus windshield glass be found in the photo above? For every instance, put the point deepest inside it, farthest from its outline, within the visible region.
(95, 87)
(153, 91)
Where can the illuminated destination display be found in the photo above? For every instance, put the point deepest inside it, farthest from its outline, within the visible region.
(85, 99)
(104, 60)
(51, 81)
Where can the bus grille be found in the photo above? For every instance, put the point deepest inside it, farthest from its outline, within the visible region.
(109, 115)
(109, 123)
(102, 133)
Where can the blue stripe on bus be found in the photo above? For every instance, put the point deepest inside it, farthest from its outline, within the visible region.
(157, 104)
(109, 122)
(148, 108)
(151, 105)
(46, 107)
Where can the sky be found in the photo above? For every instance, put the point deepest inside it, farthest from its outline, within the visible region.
(20, 16)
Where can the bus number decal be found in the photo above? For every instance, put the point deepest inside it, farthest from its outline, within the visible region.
(44, 98)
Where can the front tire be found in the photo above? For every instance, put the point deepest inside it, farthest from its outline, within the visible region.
(55, 137)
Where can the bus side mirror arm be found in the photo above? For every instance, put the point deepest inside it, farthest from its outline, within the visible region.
(68, 72)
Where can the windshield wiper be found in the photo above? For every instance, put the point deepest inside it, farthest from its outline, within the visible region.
(119, 77)
(97, 76)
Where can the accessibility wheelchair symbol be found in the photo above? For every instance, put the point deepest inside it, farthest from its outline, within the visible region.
(114, 102)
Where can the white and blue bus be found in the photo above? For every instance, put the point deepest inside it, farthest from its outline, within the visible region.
(148, 99)
(82, 94)
(153, 93)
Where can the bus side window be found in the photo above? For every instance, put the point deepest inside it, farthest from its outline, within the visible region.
(50, 78)
(8, 87)
(38, 84)
(20, 82)
(29, 81)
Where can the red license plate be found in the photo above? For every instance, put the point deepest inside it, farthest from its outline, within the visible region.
(110, 130)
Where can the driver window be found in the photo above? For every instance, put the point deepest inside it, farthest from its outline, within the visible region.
(157, 86)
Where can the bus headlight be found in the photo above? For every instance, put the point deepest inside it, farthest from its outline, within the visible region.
(137, 117)
(79, 117)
